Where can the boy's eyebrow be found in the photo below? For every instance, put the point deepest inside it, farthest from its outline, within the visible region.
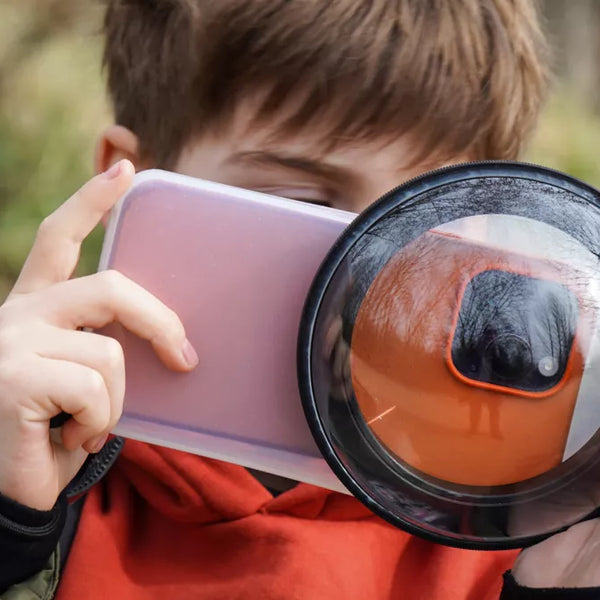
(298, 163)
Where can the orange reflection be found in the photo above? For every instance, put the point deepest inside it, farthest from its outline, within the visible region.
(415, 401)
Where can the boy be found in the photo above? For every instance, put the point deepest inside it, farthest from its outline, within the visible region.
(326, 102)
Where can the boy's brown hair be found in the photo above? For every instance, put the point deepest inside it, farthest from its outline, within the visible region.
(462, 75)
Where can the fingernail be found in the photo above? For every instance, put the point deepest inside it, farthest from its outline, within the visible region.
(189, 354)
(98, 443)
(114, 171)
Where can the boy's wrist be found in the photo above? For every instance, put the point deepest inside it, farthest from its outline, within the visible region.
(25, 519)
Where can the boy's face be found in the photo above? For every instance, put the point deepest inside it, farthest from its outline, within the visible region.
(347, 178)
(350, 177)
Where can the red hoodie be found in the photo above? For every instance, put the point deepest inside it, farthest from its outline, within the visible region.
(169, 525)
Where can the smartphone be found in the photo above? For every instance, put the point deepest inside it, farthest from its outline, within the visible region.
(468, 359)
(236, 266)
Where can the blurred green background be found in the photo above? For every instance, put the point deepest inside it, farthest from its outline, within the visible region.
(53, 104)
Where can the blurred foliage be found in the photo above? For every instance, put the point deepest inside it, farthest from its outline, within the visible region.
(53, 105)
(567, 137)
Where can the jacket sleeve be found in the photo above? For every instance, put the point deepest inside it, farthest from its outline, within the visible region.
(40, 586)
(28, 539)
(513, 591)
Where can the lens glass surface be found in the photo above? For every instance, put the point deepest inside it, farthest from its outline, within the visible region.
(449, 360)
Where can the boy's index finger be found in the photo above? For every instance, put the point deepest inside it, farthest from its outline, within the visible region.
(55, 251)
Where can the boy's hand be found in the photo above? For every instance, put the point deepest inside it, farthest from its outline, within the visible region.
(570, 559)
(567, 560)
(49, 365)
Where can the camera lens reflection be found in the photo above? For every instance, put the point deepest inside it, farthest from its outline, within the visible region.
(509, 357)
(514, 331)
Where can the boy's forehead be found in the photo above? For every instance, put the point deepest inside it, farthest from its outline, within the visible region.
(370, 169)
(245, 140)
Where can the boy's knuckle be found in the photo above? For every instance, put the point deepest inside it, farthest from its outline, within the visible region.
(112, 282)
(113, 354)
(114, 417)
(104, 422)
(47, 227)
(167, 327)
(173, 330)
(94, 383)
(173, 322)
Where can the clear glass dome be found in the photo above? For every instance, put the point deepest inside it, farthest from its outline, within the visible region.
(449, 357)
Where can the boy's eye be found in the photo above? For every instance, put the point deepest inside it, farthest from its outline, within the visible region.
(310, 201)
(308, 195)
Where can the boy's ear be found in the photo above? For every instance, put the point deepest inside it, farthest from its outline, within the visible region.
(115, 143)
